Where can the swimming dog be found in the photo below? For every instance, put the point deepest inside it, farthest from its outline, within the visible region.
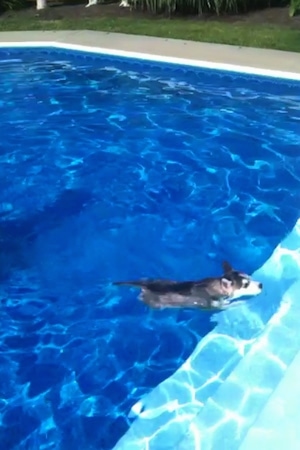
(208, 293)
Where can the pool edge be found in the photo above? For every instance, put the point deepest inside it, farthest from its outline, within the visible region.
(262, 62)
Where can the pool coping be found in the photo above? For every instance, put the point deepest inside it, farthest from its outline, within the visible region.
(273, 63)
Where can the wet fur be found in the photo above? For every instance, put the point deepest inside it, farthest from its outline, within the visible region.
(208, 293)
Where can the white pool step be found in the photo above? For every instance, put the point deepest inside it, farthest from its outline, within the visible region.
(278, 425)
(227, 416)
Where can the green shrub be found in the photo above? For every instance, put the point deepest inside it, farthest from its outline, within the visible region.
(192, 7)
(294, 8)
(11, 4)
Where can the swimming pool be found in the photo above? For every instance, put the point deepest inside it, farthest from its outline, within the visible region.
(116, 168)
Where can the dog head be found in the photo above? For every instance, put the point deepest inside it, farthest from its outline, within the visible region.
(239, 284)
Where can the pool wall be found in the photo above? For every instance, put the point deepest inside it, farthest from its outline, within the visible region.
(198, 396)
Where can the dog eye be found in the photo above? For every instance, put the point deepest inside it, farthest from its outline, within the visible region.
(246, 284)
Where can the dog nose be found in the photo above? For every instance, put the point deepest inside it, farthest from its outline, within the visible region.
(260, 285)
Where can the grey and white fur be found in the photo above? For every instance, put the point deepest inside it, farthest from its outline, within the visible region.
(209, 293)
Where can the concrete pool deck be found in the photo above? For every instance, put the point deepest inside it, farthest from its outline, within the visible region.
(174, 48)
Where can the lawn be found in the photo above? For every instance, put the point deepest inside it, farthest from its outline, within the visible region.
(270, 29)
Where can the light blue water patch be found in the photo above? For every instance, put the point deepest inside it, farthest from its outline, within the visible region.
(200, 408)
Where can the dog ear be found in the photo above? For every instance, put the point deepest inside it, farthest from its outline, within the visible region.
(226, 283)
(227, 267)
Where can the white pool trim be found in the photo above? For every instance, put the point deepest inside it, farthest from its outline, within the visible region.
(158, 58)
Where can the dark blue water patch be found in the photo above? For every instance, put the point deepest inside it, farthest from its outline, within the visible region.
(42, 377)
(25, 342)
(26, 361)
(17, 425)
(110, 169)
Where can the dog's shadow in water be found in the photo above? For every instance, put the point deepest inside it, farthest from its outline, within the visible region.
(17, 236)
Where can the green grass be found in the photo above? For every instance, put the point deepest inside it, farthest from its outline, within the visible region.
(242, 34)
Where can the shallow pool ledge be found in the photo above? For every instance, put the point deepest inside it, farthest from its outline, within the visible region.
(244, 58)
(166, 413)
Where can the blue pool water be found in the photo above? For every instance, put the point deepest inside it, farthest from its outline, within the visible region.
(112, 169)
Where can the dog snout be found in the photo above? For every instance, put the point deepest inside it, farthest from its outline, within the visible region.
(260, 285)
